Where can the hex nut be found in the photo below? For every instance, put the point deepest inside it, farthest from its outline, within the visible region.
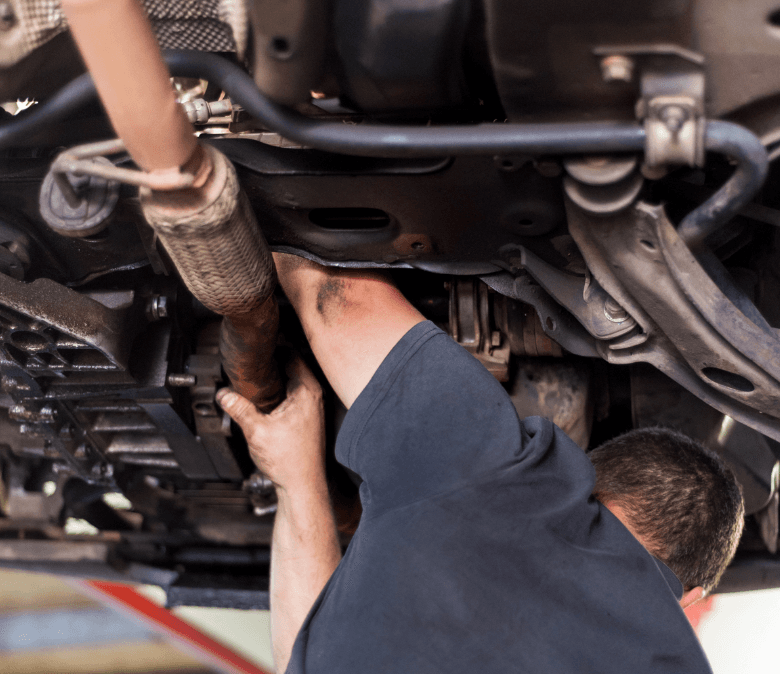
(614, 311)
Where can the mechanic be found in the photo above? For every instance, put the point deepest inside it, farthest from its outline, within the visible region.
(481, 547)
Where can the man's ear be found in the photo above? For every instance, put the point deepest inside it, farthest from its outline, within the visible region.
(692, 596)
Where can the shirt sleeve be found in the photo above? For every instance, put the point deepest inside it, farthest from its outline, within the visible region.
(431, 419)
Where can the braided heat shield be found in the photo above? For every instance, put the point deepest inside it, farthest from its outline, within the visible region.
(214, 241)
(203, 25)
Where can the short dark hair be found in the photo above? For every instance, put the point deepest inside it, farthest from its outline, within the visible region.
(678, 496)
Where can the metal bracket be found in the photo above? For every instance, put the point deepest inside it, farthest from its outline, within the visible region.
(672, 98)
(78, 161)
(600, 314)
(695, 333)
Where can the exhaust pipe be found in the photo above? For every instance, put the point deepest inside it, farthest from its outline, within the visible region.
(208, 229)
(213, 239)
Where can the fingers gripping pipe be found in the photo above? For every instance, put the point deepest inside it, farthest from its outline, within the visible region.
(213, 239)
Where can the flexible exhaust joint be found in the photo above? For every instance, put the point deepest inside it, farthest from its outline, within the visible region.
(213, 239)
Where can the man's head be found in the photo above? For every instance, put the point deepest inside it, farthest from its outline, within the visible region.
(678, 498)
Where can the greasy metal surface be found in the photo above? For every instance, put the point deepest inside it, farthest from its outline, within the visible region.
(191, 456)
(543, 53)
(79, 320)
(758, 342)
(522, 328)
(633, 255)
(742, 50)
(478, 207)
(80, 436)
(212, 425)
(546, 57)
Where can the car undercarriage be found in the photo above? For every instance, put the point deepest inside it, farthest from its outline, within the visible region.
(580, 194)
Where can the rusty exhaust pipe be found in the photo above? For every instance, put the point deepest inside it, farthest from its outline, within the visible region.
(213, 239)
(208, 229)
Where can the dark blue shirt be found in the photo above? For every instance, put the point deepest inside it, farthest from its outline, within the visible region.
(480, 548)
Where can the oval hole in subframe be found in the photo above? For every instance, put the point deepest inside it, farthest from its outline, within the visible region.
(728, 379)
(351, 219)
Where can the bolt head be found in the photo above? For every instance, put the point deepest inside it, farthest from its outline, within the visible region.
(673, 117)
(614, 312)
(162, 306)
(617, 68)
(157, 308)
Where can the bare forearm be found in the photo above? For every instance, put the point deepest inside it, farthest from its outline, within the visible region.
(305, 551)
(352, 319)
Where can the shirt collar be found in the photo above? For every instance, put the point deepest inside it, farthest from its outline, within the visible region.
(671, 578)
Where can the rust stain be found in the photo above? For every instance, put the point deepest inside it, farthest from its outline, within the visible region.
(247, 345)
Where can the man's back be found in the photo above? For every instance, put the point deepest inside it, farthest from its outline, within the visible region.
(480, 545)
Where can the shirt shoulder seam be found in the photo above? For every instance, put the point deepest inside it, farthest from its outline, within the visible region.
(430, 332)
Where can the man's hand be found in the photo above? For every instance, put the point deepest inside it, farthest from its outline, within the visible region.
(287, 445)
